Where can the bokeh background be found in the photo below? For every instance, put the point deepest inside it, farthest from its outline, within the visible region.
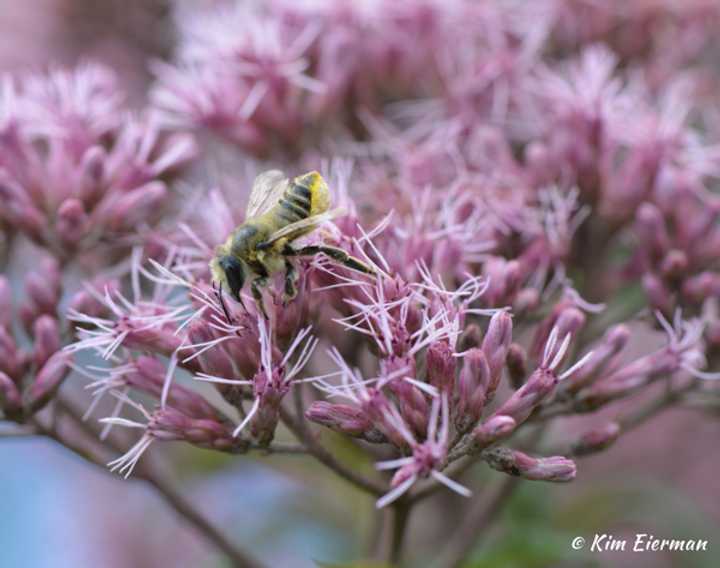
(57, 511)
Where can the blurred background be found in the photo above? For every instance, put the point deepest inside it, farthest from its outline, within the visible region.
(57, 511)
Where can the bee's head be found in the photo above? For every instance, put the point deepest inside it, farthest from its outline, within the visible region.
(230, 273)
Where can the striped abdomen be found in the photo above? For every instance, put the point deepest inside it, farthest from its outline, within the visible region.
(295, 204)
(306, 195)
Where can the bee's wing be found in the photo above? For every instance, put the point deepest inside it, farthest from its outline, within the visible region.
(267, 190)
(304, 226)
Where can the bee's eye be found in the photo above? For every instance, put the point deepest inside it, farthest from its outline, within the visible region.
(234, 273)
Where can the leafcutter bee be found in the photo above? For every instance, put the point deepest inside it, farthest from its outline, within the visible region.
(279, 212)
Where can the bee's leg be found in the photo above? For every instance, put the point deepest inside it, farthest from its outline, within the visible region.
(255, 285)
(335, 253)
(291, 277)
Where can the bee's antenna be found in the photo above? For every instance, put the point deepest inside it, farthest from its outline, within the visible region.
(219, 292)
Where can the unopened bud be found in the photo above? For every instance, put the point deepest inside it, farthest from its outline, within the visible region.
(72, 221)
(504, 278)
(92, 169)
(495, 345)
(170, 424)
(702, 286)
(160, 340)
(265, 421)
(48, 380)
(570, 321)
(10, 399)
(527, 300)
(524, 400)
(11, 358)
(516, 362)
(150, 378)
(215, 361)
(471, 337)
(343, 418)
(603, 355)
(19, 210)
(652, 231)
(659, 297)
(88, 303)
(674, 265)
(441, 365)
(43, 287)
(494, 429)
(46, 337)
(513, 462)
(473, 384)
(135, 206)
(596, 439)
(413, 405)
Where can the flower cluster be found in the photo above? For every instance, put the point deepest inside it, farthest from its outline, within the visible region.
(79, 171)
(531, 187)
(30, 376)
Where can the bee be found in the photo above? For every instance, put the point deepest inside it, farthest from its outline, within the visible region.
(279, 212)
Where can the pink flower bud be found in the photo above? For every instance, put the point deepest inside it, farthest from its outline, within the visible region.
(495, 345)
(570, 320)
(473, 384)
(150, 378)
(413, 405)
(674, 265)
(343, 418)
(527, 300)
(289, 317)
(48, 380)
(628, 379)
(513, 462)
(516, 362)
(494, 429)
(471, 337)
(504, 277)
(712, 338)
(43, 287)
(12, 361)
(652, 231)
(215, 361)
(523, 401)
(92, 170)
(658, 294)
(596, 439)
(72, 221)
(160, 340)
(269, 394)
(10, 399)
(441, 365)
(171, 424)
(19, 210)
(603, 355)
(377, 406)
(46, 337)
(87, 303)
(702, 286)
(539, 162)
(135, 206)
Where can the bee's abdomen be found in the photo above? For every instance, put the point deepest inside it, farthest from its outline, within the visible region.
(311, 189)
(295, 204)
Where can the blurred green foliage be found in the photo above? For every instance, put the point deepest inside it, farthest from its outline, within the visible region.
(540, 522)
